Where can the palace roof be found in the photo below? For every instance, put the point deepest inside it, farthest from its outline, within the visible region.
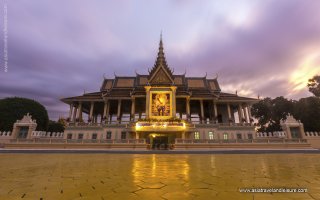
(159, 76)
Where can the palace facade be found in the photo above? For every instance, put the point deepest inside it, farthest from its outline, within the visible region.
(160, 107)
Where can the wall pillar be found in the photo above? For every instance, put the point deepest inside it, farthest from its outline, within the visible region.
(245, 114)
(133, 104)
(240, 113)
(147, 100)
(70, 112)
(201, 111)
(108, 110)
(188, 108)
(173, 89)
(80, 111)
(215, 111)
(137, 135)
(105, 109)
(249, 111)
(119, 111)
(229, 112)
(91, 110)
(74, 114)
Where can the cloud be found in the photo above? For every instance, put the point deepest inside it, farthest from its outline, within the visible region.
(58, 49)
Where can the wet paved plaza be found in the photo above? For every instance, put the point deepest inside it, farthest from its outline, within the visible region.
(150, 176)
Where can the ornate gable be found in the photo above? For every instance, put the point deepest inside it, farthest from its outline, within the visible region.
(161, 77)
(160, 73)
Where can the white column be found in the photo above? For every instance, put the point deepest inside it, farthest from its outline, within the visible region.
(188, 107)
(249, 112)
(133, 104)
(80, 111)
(105, 108)
(201, 111)
(74, 114)
(240, 113)
(70, 112)
(245, 114)
(229, 111)
(173, 89)
(107, 111)
(119, 111)
(147, 100)
(215, 111)
(91, 110)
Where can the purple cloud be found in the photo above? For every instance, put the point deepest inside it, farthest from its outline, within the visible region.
(61, 48)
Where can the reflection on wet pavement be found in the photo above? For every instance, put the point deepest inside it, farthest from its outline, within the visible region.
(120, 176)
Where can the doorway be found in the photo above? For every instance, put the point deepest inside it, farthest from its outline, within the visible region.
(159, 142)
(23, 132)
(295, 132)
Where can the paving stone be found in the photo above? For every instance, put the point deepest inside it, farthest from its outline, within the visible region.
(121, 176)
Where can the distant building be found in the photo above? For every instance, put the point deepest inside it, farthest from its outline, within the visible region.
(160, 107)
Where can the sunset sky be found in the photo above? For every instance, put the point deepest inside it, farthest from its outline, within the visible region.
(61, 48)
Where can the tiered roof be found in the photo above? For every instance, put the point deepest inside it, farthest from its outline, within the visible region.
(159, 75)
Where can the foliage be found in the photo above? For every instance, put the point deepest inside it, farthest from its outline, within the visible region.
(55, 126)
(14, 108)
(62, 121)
(307, 110)
(270, 112)
(314, 85)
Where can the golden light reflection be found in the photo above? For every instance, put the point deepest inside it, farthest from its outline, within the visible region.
(308, 68)
(157, 166)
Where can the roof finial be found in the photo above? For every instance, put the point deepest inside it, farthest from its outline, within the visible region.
(161, 45)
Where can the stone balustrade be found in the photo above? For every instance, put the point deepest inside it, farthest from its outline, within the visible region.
(233, 141)
(5, 133)
(276, 134)
(44, 134)
(77, 141)
(312, 134)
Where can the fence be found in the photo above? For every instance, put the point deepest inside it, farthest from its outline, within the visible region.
(276, 134)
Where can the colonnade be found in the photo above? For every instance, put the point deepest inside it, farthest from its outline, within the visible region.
(243, 109)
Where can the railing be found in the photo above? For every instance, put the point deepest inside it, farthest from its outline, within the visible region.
(5, 134)
(312, 134)
(84, 124)
(44, 134)
(233, 141)
(276, 134)
(77, 141)
(129, 124)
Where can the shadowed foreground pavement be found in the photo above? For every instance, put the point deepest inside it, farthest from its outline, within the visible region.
(152, 176)
(216, 151)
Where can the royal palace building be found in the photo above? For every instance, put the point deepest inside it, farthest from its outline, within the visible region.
(160, 107)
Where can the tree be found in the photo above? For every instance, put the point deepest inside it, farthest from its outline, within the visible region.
(55, 126)
(262, 112)
(307, 110)
(270, 112)
(14, 108)
(314, 85)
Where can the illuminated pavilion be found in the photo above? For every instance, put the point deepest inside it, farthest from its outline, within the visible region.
(160, 107)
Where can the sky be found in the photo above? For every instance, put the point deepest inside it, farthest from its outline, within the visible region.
(63, 48)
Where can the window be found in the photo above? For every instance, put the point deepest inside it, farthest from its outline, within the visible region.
(123, 135)
(250, 136)
(196, 135)
(94, 136)
(69, 136)
(239, 136)
(225, 136)
(211, 135)
(109, 135)
(80, 136)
